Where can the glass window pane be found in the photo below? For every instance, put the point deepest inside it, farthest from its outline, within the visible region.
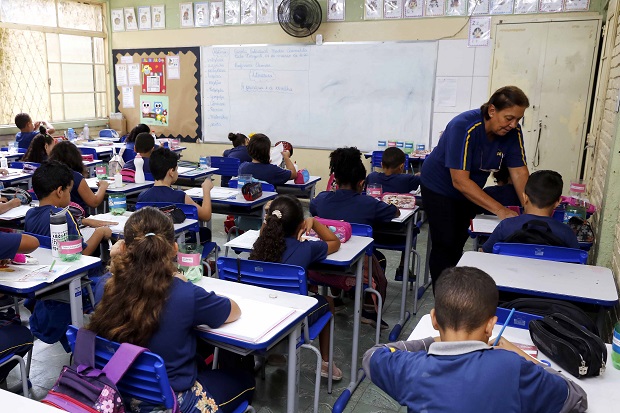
(99, 48)
(81, 16)
(79, 106)
(58, 110)
(102, 106)
(34, 12)
(55, 75)
(100, 78)
(53, 47)
(75, 49)
(78, 78)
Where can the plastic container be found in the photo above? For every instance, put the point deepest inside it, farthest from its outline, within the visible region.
(4, 164)
(400, 145)
(408, 147)
(189, 262)
(139, 164)
(71, 134)
(374, 190)
(59, 231)
(381, 145)
(205, 162)
(579, 209)
(118, 204)
(615, 347)
(101, 171)
(71, 249)
(243, 179)
(391, 144)
(86, 132)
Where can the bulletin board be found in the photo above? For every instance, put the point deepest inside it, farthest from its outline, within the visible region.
(175, 112)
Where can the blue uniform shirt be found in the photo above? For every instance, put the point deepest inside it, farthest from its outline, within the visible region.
(350, 206)
(265, 172)
(146, 168)
(303, 253)
(464, 145)
(9, 244)
(24, 138)
(75, 196)
(162, 194)
(509, 226)
(397, 183)
(240, 152)
(128, 155)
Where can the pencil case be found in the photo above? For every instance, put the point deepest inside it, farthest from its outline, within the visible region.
(342, 229)
(570, 345)
(404, 201)
(252, 191)
(302, 177)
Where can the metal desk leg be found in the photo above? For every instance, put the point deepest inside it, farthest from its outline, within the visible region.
(404, 315)
(75, 301)
(427, 268)
(292, 389)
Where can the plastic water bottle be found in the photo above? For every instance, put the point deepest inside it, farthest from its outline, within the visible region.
(85, 132)
(615, 347)
(4, 164)
(71, 134)
(118, 204)
(58, 230)
(139, 164)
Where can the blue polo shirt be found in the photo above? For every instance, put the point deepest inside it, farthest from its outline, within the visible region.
(162, 194)
(240, 152)
(353, 207)
(303, 253)
(464, 145)
(396, 183)
(509, 226)
(37, 221)
(146, 168)
(265, 172)
(75, 195)
(9, 244)
(24, 138)
(504, 194)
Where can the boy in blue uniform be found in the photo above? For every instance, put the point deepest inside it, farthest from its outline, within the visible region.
(503, 191)
(458, 371)
(393, 178)
(259, 149)
(28, 129)
(543, 192)
(145, 143)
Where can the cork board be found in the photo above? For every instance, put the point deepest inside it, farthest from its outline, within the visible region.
(185, 113)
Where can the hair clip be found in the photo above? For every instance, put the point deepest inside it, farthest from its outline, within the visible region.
(277, 213)
(150, 234)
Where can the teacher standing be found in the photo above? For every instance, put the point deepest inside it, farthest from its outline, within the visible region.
(474, 144)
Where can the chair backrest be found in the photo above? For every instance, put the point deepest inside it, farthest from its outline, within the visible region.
(128, 154)
(542, 252)
(518, 320)
(89, 151)
(377, 156)
(275, 276)
(266, 186)
(44, 242)
(226, 166)
(148, 176)
(145, 380)
(191, 212)
(20, 165)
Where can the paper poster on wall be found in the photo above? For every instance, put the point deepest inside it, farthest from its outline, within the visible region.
(264, 11)
(121, 75)
(526, 6)
(476, 7)
(232, 11)
(248, 11)
(201, 14)
(373, 9)
(128, 97)
(131, 23)
(550, 6)
(144, 17)
(186, 14)
(154, 75)
(414, 8)
(445, 91)
(502, 6)
(154, 110)
(127, 59)
(216, 13)
(133, 73)
(393, 9)
(173, 66)
(479, 31)
(434, 7)
(456, 7)
(335, 10)
(159, 17)
(118, 20)
(577, 5)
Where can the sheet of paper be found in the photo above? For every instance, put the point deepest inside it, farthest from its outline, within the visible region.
(32, 273)
(121, 219)
(244, 241)
(445, 91)
(173, 64)
(222, 193)
(126, 59)
(128, 97)
(485, 224)
(121, 75)
(15, 213)
(133, 72)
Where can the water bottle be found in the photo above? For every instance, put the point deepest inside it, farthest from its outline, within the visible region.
(71, 134)
(118, 204)
(58, 230)
(139, 164)
(4, 164)
(85, 132)
(615, 347)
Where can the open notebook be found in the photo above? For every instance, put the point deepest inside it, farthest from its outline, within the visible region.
(256, 321)
(484, 224)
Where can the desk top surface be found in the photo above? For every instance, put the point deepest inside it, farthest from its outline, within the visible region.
(291, 183)
(405, 215)
(121, 220)
(127, 186)
(187, 172)
(586, 283)
(14, 175)
(196, 193)
(12, 402)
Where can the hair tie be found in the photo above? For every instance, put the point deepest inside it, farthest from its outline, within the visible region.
(277, 213)
(150, 234)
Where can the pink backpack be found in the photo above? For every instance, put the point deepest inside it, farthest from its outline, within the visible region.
(342, 229)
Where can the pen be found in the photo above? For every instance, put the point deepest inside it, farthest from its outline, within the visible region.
(504, 327)
(52, 266)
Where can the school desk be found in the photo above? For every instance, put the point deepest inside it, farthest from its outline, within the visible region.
(91, 165)
(13, 157)
(102, 148)
(307, 188)
(12, 402)
(119, 228)
(16, 176)
(602, 390)
(291, 327)
(72, 279)
(186, 172)
(14, 218)
(232, 203)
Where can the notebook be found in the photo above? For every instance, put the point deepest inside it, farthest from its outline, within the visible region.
(484, 224)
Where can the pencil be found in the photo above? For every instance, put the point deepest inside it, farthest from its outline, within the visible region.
(504, 327)
(52, 266)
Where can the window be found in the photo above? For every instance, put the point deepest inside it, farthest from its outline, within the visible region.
(53, 68)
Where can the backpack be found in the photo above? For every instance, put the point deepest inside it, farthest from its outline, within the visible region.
(83, 388)
(536, 232)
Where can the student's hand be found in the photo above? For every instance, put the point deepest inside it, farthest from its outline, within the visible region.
(207, 185)
(507, 345)
(4, 172)
(286, 154)
(14, 203)
(103, 185)
(504, 213)
(37, 124)
(117, 249)
(106, 232)
(305, 230)
(96, 223)
(3, 199)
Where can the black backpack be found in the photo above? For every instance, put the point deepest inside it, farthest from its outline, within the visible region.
(535, 232)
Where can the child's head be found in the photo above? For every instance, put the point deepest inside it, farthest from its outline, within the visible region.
(163, 162)
(348, 169)
(465, 301)
(283, 219)
(143, 272)
(238, 139)
(543, 189)
(145, 143)
(259, 148)
(141, 128)
(393, 159)
(40, 148)
(24, 123)
(69, 154)
(52, 182)
(502, 176)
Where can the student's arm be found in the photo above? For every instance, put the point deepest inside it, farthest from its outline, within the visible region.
(49, 127)
(90, 198)
(324, 233)
(519, 178)
(28, 244)
(289, 164)
(8, 205)
(235, 312)
(100, 234)
(462, 183)
(204, 210)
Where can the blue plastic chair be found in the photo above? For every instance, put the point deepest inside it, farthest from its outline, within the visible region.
(290, 279)
(128, 154)
(89, 151)
(19, 150)
(20, 165)
(227, 167)
(24, 368)
(377, 156)
(542, 252)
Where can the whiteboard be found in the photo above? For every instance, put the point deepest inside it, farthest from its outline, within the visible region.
(328, 96)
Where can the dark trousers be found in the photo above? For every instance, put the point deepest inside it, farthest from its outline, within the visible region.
(13, 339)
(448, 220)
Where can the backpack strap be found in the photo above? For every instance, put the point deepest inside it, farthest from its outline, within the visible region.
(121, 361)
(84, 352)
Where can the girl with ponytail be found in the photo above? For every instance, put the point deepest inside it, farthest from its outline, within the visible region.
(281, 240)
(239, 151)
(40, 147)
(147, 303)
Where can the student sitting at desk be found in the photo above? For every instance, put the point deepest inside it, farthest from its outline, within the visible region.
(543, 192)
(28, 129)
(393, 178)
(281, 240)
(458, 371)
(67, 153)
(170, 308)
(503, 191)
(145, 144)
(130, 141)
(259, 149)
(239, 151)
(40, 148)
